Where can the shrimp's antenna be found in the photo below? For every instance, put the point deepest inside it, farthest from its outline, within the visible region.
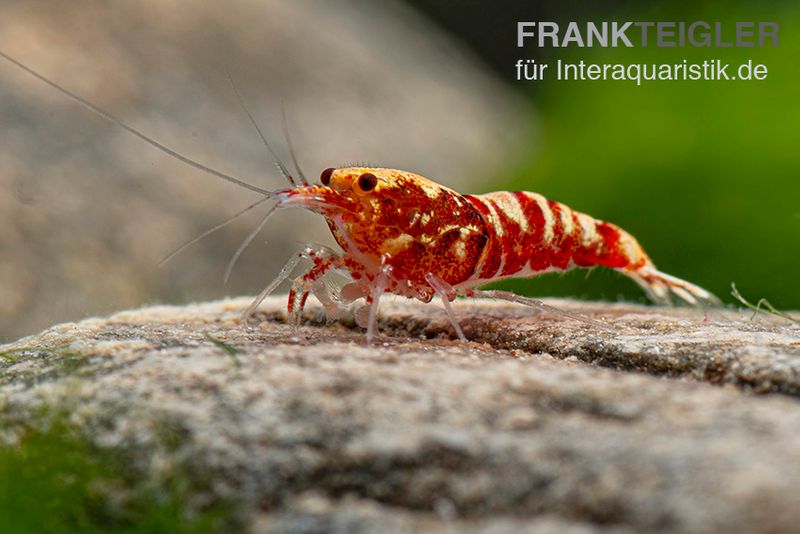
(247, 241)
(210, 231)
(289, 143)
(284, 171)
(149, 140)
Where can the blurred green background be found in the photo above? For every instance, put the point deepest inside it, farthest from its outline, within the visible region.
(705, 174)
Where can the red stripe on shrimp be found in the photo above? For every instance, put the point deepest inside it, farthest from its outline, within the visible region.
(560, 251)
(510, 220)
(539, 235)
(490, 262)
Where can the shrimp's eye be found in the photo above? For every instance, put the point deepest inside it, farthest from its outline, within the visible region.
(325, 177)
(367, 181)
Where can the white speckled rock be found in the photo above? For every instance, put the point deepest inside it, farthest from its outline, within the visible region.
(521, 428)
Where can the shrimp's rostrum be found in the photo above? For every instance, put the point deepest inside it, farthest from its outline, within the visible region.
(402, 233)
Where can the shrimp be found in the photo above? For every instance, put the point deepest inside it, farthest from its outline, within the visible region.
(405, 234)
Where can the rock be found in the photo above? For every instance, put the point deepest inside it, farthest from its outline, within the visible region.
(539, 423)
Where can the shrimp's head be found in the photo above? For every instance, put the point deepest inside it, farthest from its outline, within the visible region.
(388, 215)
(367, 196)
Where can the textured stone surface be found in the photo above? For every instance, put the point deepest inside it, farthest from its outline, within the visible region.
(523, 427)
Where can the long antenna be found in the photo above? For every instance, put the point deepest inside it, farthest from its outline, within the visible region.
(109, 117)
(291, 147)
(284, 171)
(247, 242)
(210, 231)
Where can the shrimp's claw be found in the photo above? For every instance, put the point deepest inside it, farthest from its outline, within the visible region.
(661, 286)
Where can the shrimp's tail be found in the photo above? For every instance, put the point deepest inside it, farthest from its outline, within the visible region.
(606, 244)
(661, 287)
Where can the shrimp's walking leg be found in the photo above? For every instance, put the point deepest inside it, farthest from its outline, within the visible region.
(447, 293)
(324, 259)
(310, 282)
(329, 296)
(533, 303)
(373, 299)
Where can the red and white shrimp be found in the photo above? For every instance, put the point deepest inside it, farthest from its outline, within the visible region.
(404, 234)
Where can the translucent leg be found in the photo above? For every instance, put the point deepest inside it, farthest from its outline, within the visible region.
(305, 284)
(326, 257)
(351, 292)
(330, 299)
(534, 303)
(297, 301)
(381, 282)
(447, 293)
(282, 275)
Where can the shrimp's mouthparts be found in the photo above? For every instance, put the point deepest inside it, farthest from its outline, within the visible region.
(316, 198)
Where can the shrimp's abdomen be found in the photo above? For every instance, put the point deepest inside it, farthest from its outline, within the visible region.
(529, 235)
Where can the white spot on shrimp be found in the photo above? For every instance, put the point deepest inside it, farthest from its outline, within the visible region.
(396, 244)
(498, 228)
(509, 204)
(459, 249)
(430, 191)
(567, 223)
(589, 234)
